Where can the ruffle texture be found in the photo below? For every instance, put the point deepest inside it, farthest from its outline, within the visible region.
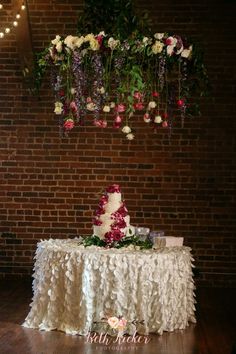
(74, 287)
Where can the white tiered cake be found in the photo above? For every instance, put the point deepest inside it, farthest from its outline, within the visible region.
(112, 222)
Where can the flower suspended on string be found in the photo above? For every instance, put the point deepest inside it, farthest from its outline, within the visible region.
(99, 75)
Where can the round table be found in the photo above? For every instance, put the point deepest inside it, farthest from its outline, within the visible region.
(75, 288)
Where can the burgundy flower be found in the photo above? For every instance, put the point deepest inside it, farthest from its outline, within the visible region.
(138, 95)
(122, 210)
(113, 235)
(114, 188)
(139, 106)
(103, 200)
(100, 211)
(97, 222)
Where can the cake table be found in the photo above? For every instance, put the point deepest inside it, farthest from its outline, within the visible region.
(75, 287)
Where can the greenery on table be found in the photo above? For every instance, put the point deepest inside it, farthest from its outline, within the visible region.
(124, 242)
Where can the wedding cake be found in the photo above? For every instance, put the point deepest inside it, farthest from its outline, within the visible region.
(112, 222)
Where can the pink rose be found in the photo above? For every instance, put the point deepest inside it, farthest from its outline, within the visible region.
(73, 106)
(88, 99)
(164, 124)
(122, 324)
(69, 124)
(118, 119)
(100, 123)
(120, 108)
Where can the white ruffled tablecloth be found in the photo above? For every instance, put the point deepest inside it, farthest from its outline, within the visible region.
(76, 286)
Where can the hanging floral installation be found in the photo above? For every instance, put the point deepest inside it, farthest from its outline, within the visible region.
(148, 77)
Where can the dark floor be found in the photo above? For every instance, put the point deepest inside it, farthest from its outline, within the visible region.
(214, 333)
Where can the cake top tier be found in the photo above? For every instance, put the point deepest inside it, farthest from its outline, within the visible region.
(114, 188)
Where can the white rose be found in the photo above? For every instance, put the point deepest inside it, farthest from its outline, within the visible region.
(151, 104)
(158, 119)
(157, 47)
(145, 40)
(70, 41)
(102, 90)
(106, 109)
(102, 33)
(79, 41)
(158, 35)
(58, 107)
(90, 106)
(56, 39)
(187, 52)
(126, 129)
(130, 136)
(59, 47)
(72, 90)
(112, 104)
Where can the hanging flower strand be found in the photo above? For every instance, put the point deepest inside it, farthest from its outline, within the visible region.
(101, 75)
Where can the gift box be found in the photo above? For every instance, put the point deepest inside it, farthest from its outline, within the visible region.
(167, 241)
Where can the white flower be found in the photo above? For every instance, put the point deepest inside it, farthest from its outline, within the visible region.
(59, 47)
(90, 106)
(187, 52)
(106, 109)
(112, 104)
(79, 41)
(151, 104)
(158, 119)
(101, 90)
(130, 136)
(58, 107)
(145, 41)
(84, 52)
(113, 43)
(70, 41)
(102, 33)
(72, 90)
(56, 39)
(126, 129)
(170, 49)
(157, 47)
(159, 35)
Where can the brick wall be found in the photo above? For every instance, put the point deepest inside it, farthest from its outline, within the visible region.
(184, 185)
